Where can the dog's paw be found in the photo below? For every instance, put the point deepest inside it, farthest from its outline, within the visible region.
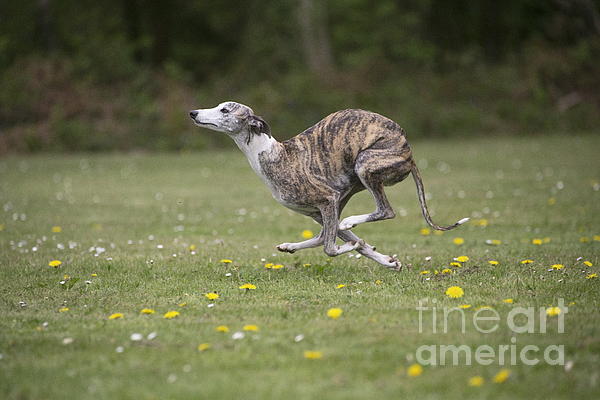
(286, 248)
(346, 225)
(395, 264)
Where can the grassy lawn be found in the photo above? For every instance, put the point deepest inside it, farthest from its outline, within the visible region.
(127, 223)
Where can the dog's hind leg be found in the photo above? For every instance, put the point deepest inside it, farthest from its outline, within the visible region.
(375, 168)
(307, 244)
(369, 251)
(383, 210)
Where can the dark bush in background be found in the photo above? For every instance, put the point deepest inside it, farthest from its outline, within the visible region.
(122, 74)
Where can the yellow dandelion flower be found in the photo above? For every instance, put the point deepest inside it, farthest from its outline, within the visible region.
(596, 238)
(455, 264)
(251, 328)
(147, 311)
(334, 313)
(553, 311)
(248, 286)
(557, 266)
(455, 292)
(307, 234)
(462, 259)
(551, 201)
(494, 242)
(526, 261)
(269, 265)
(584, 239)
(591, 276)
(211, 296)
(203, 346)
(192, 247)
(476, 381)
(501, 376)
(116, 316)
(56, 229)
(589, 264)
(414, 370)
(537, 241)
(425, 231)
(493, 262)
(225, 261)
(341, 285)
(313, 355)
(55, 263)
(63, 309)
(482, 222)
(66, 277)
(378, 282)
(222, 328)
(171, 314)
(277, 266)
(446, 271)
(458, 241)
(183, 304)
(464, 306)
(508, 301)
(94, 275)
(424, 272)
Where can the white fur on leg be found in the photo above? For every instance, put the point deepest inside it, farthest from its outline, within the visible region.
(388, 261)
(369, 251)
(307, 244)
(350, 222)
(345, 248)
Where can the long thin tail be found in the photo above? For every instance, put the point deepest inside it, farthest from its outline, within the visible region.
(421, 194)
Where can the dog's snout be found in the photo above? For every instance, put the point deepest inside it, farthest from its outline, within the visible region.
(193, 114)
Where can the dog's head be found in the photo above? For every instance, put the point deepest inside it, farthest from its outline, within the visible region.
(231, 118)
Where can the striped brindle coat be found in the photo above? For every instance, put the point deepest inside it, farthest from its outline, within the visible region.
(316, 172)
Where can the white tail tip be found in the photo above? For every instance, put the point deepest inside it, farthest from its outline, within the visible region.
(462, 221)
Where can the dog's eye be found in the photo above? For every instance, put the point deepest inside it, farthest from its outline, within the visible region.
(224, 110)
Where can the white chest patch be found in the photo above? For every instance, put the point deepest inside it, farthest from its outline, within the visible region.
(257, 146)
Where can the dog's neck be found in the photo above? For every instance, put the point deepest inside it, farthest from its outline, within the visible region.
(257, 145)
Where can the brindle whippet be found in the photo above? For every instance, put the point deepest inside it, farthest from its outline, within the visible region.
(316, 172)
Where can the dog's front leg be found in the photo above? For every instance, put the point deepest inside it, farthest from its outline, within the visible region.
(330, 218)
(307, 244)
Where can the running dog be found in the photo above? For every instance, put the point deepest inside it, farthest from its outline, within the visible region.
(316, 172)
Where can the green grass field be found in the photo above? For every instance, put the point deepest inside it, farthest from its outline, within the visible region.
(131, 219)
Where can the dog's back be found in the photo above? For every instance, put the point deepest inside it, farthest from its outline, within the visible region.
(351, 129)
(331, 147)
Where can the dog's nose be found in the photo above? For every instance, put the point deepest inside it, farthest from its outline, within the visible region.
(193, 114)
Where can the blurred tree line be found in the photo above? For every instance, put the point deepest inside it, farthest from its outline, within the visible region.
(122, 74)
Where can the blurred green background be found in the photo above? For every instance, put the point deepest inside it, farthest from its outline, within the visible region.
(122, 74)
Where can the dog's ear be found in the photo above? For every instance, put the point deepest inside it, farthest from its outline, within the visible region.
(258, 125)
